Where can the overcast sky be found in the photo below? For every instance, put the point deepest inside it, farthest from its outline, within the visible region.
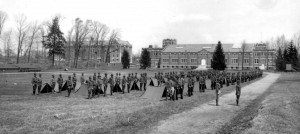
(144, 22)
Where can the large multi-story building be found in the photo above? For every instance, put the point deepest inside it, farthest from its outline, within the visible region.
(98, 52)
(192, 55)
(155, 55)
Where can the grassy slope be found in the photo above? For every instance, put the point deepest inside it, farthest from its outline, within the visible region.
(275, 111)
(23, 113)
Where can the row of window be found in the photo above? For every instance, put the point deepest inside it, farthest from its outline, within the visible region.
(233, 60)
(255, 53)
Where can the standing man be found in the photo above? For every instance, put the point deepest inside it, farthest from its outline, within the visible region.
(238, 92)
(53, 82)
(218, 86)
(82, 80)
(69, 85)
(105, 81)
(141, 82)
(128, 83)
(145, 81)
(123, 84)
(74, 80)
(99, 84)
(40, 82)
(34, 81)
(201, 87)
(90, 87)
(112, 83)
(60, 82)
(190, 86)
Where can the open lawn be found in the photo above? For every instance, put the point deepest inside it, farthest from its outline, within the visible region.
(22, 112)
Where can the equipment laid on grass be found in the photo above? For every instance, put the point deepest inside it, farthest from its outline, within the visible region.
(46, 89)
(153, 92)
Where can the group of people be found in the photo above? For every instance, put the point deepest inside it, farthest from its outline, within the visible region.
(173, 81)
(96, 85)
(176, 81)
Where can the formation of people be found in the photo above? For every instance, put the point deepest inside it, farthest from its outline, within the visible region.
(96, 84)
(174, 82)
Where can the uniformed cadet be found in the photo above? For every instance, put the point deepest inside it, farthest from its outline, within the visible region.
(69, 85)
(53, 82)
(98, 74)
(123, 84)
(112, 83)
(128, 83)
(105, 81)
(238, 92)
(181, 86)
(90, 87)
(94, 77)
(99, 84)
(213, 83)
(60, 82)
(190, 86)
(117, 83)
(39, 84)
(74, 81)
(218, 88)
(145, 81)
(141, 81)
(82, 80)
(34, 81)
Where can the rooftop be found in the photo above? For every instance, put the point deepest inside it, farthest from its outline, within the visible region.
(199, 47)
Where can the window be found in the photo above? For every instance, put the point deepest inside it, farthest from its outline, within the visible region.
(165, 60)
(193, 60)
(256, 61)
(270, 60)
(174, 60)
(246, 60)
(226, 60)
(183, 60)
(234, 60)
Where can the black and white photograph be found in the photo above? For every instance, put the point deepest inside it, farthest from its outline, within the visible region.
(149, 66)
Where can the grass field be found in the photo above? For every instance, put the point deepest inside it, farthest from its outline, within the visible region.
(55, 113)
(276, 111)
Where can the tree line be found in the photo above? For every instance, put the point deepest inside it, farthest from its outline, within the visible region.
(42, 41)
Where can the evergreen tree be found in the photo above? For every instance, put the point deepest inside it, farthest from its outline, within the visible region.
(55, 40)
(293, 56)
(145, 60)
(279, 60)
(218, 61)
(125, 59)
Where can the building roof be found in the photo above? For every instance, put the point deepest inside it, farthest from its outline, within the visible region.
(121, 42)
(199, 47)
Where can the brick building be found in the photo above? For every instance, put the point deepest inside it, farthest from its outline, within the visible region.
(191, 55)
(93, 52)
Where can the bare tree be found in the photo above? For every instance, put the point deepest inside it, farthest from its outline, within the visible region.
(113, 38)
(243, 50)
(69, 38)
(81, 32)
(22, 27)
(33, 29)
(7, 45)
(100, 32)
(3, 18)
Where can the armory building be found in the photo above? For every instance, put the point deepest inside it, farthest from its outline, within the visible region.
(192, 55)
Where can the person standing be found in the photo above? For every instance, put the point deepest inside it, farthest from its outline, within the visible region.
(53, 82)
(69, 85)
(74, 80)
(60, 82)
(39, 84)
(82, 80)
(90, 87)
(105, 81)
(190, 86)
(34, 81)
(128, 83)
(218, 88)
(99, 84)
(123, 84)
(112, 83)
(141, 82)
(238, 92)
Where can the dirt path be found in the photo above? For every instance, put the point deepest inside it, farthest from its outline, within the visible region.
(208, 118)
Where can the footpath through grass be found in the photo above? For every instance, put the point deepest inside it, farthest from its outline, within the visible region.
(275, 111)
